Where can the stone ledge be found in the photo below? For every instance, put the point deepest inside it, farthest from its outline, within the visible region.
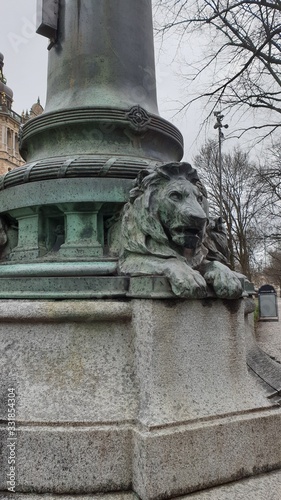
(64, 311)
(261, 487)
(160, 464)
(70, 461)
(191, 459)
(46, 496)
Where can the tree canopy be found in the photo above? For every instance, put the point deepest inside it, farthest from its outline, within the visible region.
(243, 203)
(243, 61)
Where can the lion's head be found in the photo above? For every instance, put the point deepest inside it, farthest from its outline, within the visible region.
(167, 214)
(165, 230)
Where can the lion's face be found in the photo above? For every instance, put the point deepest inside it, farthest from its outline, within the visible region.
(163, 232)
(179, 205)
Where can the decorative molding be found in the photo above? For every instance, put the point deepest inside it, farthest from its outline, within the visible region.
(116, 117)
(138, 117)
(74, 167)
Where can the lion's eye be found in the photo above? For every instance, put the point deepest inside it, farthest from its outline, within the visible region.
(175, 196)
(200, 199)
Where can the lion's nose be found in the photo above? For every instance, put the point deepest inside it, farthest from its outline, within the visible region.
(196, 220)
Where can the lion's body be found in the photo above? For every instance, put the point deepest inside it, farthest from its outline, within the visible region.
(164, 232)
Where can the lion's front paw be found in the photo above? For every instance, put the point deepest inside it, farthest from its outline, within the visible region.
(186, 282)
(225, 283)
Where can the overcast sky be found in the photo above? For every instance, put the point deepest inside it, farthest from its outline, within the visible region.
(25, 58)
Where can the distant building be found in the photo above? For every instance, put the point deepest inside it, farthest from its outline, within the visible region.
(10, 123)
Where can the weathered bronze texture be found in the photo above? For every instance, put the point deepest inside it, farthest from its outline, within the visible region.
(47, 18)
(101, 97)
(163, 231)
(100, 128)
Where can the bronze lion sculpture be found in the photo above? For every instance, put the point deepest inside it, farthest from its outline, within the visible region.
(164, 231)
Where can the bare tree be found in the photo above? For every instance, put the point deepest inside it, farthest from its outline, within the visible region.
(273, 271)
(270, 178)
(243, 203)
(243, 61)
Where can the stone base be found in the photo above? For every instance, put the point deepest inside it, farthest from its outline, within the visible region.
(149, 396)
(261, 487)
(33, 496)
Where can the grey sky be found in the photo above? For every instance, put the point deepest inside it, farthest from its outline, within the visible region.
(25, 68)
(25, 52)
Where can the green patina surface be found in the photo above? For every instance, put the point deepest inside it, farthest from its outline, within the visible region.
(99, 130)
(164, 231)
(62, 219)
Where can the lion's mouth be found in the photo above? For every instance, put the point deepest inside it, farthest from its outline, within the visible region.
(187, 230)
(188, 237)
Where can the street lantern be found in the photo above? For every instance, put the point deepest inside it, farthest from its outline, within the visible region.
(218, 125)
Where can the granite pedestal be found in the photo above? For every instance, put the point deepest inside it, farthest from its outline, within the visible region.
(151, 397)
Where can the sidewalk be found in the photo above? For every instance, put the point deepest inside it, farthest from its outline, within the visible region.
(268, 335)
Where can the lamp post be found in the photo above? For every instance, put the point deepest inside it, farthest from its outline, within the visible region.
(218, 125)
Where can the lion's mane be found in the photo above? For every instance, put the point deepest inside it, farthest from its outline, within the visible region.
(142, 231)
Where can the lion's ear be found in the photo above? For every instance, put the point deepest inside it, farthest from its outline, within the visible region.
(167, 170)
(141, 175)
(138, 187)
(135, 193)
(178, 170)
